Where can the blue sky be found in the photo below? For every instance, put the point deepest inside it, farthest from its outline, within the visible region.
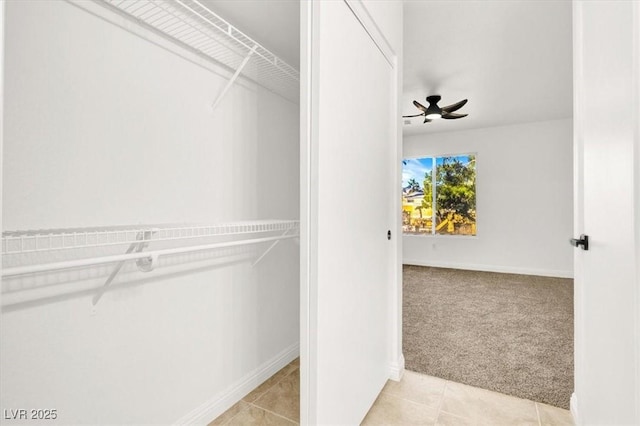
(417, 167)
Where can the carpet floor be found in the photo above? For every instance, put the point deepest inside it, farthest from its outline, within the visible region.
(503, 332)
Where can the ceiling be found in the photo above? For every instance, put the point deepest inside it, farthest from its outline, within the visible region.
(511, 59)
(275, 24)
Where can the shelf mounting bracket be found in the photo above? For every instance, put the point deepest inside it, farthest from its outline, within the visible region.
(145, 265)
(234, 77)
(273, 244)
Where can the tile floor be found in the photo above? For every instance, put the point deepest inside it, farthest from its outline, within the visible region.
(424, 400)
(416, 400)
(275, 402)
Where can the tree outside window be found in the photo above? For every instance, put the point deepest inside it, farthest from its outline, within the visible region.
(452, 190)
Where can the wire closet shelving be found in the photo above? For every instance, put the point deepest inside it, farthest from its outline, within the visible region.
(16, 243)
(36, 252)
(192, 24)
(31, 254)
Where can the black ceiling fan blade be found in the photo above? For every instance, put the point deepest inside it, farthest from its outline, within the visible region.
(411, 116)
(452, 115)
(420, 106)
(454, 107)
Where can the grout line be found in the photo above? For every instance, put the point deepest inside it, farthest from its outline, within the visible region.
(273, 385)
(444, 390)
(278, 382)
(404, 399)
(274, 413)
(538, 414)
(455, 415)
(458, 416)
(409, 401)
(228, 422)
(437, 407)
(259, 396)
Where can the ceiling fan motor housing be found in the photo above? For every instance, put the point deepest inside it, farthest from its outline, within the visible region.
(433, 111)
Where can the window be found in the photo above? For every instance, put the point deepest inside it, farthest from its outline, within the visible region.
(449, 183)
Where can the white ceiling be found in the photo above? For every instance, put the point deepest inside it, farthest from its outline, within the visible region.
(511, 59)
(275, 24)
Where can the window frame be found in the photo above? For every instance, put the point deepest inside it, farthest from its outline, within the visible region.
(434, 158)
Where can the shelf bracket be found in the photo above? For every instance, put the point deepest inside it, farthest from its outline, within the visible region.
(234, 77)
(273, 244)
(145, 265)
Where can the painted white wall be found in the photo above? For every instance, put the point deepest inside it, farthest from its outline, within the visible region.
(524, 200)
(105, 128)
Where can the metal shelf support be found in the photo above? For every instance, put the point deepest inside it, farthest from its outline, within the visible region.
(144, 264)
(270, 247)
(191, 24)
(46, 251)
(234, 77)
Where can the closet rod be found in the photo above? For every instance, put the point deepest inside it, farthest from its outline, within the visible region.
(31, 269)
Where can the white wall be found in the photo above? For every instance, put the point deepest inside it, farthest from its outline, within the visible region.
(105, 128)
(524, 200)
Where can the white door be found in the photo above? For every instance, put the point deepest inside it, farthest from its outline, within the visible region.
(349, 156)
(607, 160)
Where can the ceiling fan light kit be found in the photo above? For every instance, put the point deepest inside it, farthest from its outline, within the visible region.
(435, 112)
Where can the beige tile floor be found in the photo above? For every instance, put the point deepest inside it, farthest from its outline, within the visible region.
(275, 402)
(416, 400)
(424, 400)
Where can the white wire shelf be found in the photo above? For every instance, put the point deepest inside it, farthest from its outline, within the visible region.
(191, 23)
(34, 260)
(186, 238)
(47, 240)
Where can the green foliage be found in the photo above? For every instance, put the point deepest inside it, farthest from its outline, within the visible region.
(427, 184)
(413, 185)
(456, 188)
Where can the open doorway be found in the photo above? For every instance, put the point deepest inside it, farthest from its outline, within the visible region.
(488, 295)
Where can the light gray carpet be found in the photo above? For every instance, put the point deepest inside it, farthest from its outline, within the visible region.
(504, 332)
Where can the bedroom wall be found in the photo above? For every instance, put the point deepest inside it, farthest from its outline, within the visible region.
(103, 128)
(524, 200)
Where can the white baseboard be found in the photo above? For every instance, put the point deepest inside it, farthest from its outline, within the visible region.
(220, 403)
(491, 268)
(573, 407)
(396, 369)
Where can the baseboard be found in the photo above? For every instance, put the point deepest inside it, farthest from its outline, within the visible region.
(396, 369)
(220, 403)
(491, 268)
(573, 407)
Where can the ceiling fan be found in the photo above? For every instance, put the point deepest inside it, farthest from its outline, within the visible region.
(435, 112)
